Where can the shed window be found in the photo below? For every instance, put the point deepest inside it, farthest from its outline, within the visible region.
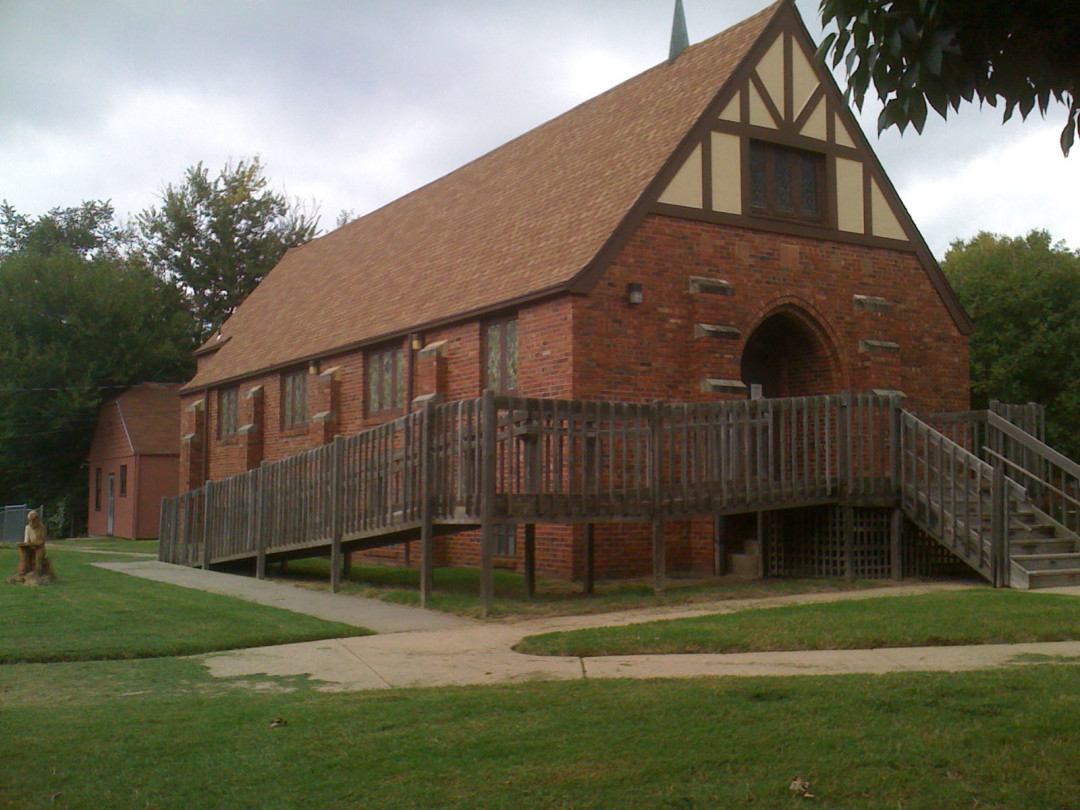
(786, 182)
(294, 405)
(501, 356)
(123, 480)
(97, 489)
(228, 411)
(385, 380)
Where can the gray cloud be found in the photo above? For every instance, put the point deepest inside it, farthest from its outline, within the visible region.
(353, 103)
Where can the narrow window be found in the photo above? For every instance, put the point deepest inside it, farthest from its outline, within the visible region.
(385, 380)
(294, 404)
(97, 489)
(501, 356)
(228, 412)
(785, 182)
(123, 480)
(506, 540)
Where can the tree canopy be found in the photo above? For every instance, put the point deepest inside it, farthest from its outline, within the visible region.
(1023, 295)
(939, 53)
(217, 237)
(81, 318)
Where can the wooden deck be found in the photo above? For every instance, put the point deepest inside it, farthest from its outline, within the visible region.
(496, 460)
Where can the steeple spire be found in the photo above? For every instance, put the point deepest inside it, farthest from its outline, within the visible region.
(679, 38)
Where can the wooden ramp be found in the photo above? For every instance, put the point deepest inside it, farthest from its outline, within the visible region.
(496, 460)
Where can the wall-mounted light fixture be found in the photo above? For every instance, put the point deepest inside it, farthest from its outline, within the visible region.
(417, 343)
(634, 294)
(313, 367)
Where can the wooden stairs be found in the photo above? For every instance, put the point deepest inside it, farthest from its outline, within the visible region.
(995, 512)
(1042, 552)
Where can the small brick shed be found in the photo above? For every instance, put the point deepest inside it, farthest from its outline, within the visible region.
(133, 461)
(716, 224)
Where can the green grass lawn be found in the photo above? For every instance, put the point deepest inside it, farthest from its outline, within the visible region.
(977, 616)
(94, 614)
(167, 737)
(163, 733)
(457, 590)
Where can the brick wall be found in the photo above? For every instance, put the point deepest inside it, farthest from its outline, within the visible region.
(648, 350)
(599, 346)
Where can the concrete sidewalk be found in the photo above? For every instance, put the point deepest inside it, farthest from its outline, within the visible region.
(381, 617)
(419, 648)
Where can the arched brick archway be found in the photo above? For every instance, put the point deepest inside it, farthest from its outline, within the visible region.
(789, 354)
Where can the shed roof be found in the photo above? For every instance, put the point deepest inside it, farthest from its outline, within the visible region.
(150, 414)
(524, 220)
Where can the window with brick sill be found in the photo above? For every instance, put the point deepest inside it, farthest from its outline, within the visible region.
(786, 183)
(294, 404)
(228, 412)
(501, 356)
(97, 489)
(385, 381)
(123, 480)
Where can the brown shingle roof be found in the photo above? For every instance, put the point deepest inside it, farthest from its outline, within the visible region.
(151, 416)
(524, 219)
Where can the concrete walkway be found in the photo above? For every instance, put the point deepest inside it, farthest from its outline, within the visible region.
(418, 648)
(381, 617)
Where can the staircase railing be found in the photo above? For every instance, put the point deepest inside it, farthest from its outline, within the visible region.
(1052, 480)
(956, 497)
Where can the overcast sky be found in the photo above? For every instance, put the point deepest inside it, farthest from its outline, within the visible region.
(352, 103)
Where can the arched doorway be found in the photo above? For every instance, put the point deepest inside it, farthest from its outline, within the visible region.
(789, 355)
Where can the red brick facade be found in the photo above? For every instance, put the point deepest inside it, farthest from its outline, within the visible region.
(600, 346)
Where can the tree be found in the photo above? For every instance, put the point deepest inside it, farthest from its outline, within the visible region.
(1023, 295)
(942, 52)
(217, 238)
(81, 318)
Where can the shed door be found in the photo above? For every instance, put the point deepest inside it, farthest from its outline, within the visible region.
(111, 503)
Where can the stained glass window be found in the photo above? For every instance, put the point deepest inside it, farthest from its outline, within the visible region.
(385, 380)
(228, 412)
(758, 196)
(786, 182)
(808, 175)
(501, 356)
(294, 399)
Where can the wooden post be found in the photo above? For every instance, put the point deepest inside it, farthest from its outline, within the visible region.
(252, 538)
(260, 521)
(762, 536)
(487, 502)
(719, 552)
(207, 487)
(530, 560)
(590, 551)
(656, 436)
(896, 535)
(848, 519)
(895, 454)
(999, 541)
(531, 449)
(427, 479)
(337, 511)
(843, 450)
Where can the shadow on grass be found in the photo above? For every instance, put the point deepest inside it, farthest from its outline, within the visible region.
(457, 589)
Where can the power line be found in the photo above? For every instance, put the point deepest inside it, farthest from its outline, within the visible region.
(6, 389)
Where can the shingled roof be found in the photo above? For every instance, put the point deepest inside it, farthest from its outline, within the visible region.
(524, 220)
(150, 415)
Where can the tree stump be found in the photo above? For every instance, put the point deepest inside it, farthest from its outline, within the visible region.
(35, 567)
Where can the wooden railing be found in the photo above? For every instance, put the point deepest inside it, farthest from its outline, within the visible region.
(1051, 480)
(514, 459)
(956, 497)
